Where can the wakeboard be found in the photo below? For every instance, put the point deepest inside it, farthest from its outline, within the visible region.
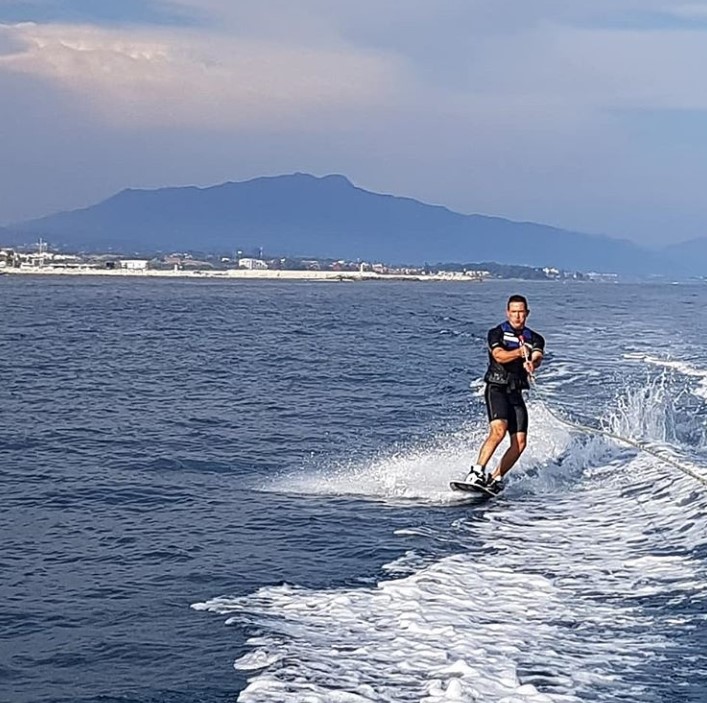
(472, 488)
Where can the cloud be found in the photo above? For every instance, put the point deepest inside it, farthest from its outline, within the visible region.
(689, 11)
(594, 69)
(191, 78)
(315, 64)
(535, 110)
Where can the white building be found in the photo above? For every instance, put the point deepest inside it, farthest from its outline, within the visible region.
(7, 258)
(134, 264)
(251, 264)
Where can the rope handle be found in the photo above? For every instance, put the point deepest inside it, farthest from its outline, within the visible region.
(526, 356)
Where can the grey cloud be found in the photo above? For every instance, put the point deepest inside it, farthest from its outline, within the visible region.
(9, 42)
(520, 109)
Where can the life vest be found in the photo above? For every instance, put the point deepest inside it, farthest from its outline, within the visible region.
(511, 374)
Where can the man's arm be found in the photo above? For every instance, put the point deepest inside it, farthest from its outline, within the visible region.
(537, 350)
(536, 358)
(503, 356)
(499, 354)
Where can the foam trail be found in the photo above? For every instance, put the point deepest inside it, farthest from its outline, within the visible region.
(563, 590)
(423, 473)
(550, 613)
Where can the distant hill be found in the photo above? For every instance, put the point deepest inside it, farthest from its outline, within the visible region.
(693, 254)
(302, 215)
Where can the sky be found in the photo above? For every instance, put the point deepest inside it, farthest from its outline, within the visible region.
(590, 115)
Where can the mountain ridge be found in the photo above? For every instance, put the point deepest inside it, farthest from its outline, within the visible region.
(304, 215)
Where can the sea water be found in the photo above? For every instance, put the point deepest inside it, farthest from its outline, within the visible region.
(233, 491)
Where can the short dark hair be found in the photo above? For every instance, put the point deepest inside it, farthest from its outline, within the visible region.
(517, 299)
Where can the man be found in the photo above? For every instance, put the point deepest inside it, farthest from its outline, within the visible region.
(515, 352)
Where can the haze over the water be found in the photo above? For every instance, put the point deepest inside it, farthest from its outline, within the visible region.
(587, 115)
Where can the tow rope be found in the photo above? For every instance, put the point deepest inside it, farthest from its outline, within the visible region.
(641, 446)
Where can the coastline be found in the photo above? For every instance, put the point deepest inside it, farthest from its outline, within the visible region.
(243, 274)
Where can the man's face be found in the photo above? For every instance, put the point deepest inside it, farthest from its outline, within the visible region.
(517, 315)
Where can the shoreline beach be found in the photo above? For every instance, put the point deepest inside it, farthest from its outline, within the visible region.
(247, 274)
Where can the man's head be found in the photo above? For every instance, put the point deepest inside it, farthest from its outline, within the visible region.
(517, 311)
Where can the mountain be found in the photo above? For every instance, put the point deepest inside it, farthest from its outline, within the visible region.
(303, 215)
(9, 238)
(692, 254)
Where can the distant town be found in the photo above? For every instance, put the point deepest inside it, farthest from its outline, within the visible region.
(43, 259)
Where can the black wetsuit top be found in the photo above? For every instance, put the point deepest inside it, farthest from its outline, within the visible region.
(511, 375)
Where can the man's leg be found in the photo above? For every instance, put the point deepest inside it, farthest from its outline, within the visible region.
(497, 431)
(512, 454)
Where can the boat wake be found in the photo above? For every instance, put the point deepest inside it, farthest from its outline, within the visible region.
(588, 569)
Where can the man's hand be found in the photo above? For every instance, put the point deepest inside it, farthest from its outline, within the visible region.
(525, 350)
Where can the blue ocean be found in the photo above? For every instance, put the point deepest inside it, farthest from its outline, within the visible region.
(220, 491)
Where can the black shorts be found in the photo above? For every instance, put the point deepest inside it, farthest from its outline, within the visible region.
(504, 404)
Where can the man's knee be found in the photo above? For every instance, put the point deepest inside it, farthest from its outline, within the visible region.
(497, 431)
